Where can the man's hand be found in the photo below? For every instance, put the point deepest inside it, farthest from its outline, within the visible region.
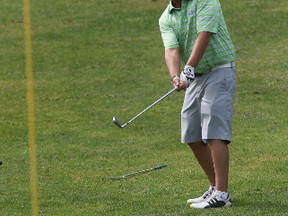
(178, 83)
(189, 72)
(187, 75)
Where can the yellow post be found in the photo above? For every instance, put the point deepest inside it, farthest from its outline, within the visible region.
(30, 107)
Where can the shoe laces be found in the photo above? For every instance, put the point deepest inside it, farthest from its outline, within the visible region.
(207, 193)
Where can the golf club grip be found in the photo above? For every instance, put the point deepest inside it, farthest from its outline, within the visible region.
(161, 166)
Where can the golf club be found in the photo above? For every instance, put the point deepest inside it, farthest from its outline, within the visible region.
(116, 121)
(138, 172)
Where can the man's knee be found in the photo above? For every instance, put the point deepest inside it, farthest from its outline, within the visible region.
(197, 145)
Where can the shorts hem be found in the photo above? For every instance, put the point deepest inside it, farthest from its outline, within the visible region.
(227, 141)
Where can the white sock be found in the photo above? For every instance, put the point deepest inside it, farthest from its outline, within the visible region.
(222, 194)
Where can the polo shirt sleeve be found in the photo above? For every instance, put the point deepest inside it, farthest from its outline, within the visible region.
(168, 35)
(208, 16)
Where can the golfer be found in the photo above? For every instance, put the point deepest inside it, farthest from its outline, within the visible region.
(195, 36)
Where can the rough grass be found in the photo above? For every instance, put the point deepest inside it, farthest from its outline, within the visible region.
(96, 59)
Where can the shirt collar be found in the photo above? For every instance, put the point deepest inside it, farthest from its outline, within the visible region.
(171, 7)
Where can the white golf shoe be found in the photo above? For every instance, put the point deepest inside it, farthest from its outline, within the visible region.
(206, 195)
(218, 199)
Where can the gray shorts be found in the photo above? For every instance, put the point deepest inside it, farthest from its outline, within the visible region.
(207, 108)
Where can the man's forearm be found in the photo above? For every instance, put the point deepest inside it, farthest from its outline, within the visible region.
(199, 48)
(172, 58)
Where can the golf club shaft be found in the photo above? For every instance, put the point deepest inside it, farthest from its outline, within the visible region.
(147, 108)
(146, 170)
(138, 172)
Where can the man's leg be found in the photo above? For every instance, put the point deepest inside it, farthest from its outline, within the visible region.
(203, 155)
(220, 156)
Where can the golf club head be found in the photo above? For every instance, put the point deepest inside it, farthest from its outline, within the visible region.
(116, 122)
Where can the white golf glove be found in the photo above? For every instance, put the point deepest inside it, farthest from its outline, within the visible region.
(188, 75)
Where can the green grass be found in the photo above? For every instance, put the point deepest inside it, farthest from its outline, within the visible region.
(96, 59)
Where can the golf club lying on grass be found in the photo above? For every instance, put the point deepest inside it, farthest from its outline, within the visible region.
(116, 121)
(138, 172)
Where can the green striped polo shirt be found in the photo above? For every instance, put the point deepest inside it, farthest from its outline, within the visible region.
(179, 27)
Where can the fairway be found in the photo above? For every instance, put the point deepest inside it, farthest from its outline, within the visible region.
(93, 60)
